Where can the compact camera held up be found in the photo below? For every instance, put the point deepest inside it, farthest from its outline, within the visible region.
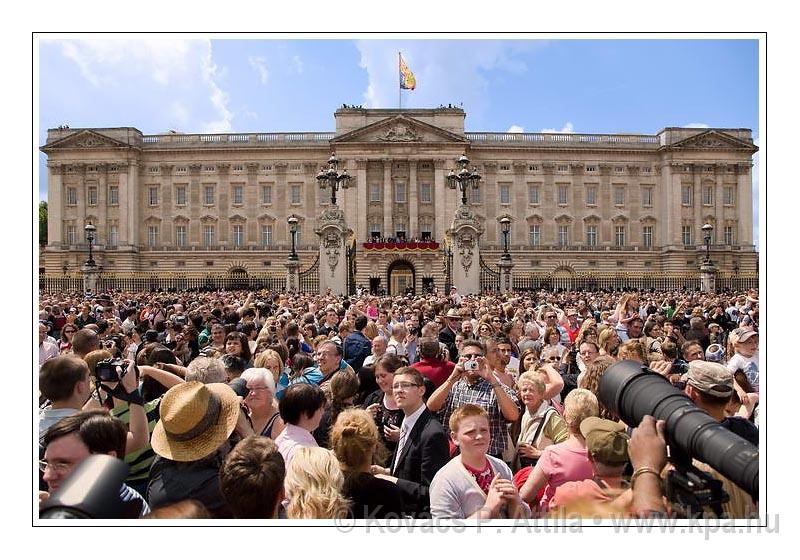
(106, 370)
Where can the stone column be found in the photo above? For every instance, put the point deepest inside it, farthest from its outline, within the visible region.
(388, 230)
(333, 238)
(708, 277)
(413, 210)
(292, 278)
(126, 202)
(464, 236)
(90, 274)
(55, 201)
(744, 203)
(719, 206)
(697, 204)
(439, 197)
(674, 206)
(362, 197)
(167, 206)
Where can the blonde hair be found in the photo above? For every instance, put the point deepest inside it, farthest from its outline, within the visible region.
(314, 483)
(535, 378)
(354, 439)
(579, 405)
(371, 330)
(261, 362)
(591, 381)
(631, 350)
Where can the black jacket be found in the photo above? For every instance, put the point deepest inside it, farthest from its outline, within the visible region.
(425, 451)
(448, 338)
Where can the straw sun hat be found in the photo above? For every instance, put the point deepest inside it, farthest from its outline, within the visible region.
(196, 419)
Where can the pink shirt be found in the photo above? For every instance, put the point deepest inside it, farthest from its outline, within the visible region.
(562, 462)
(291, 439)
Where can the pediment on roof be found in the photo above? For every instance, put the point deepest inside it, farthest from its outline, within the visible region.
(84, 140)
(712, 140)
(399, 129)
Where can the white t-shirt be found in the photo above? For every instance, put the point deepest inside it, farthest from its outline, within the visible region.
(748, 365)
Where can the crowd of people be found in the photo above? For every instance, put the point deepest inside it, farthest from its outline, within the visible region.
(236, 404)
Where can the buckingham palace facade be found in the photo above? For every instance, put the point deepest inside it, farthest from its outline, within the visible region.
(578, 203)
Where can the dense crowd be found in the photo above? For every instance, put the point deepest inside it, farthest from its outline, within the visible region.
(262, 404)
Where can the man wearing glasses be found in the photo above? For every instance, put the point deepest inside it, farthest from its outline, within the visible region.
(551, 320)
(478, 386)
(423, 447)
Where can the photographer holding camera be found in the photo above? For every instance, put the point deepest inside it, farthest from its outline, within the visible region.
(473, 382)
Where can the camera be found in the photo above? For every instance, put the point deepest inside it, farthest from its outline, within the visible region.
(92, 491)
(470, 365)
(632, 390)
(412, 330)
(106, 370)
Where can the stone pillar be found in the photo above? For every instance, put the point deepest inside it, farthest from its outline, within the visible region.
(413, 210)
(90, 274)
(744, 203)
(388, 231)
(464, 236)
(55, 200)
(439, 197)
(708, 277)
(292, 277)
(333, 238)
(505, 265)
(674, 206)
(362, 197)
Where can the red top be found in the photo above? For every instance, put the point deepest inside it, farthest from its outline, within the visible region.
(483, 476)
(435, 370)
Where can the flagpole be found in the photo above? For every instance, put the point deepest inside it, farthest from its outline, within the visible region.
(399, 83)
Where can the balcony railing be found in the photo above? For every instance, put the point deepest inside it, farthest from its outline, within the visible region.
(188, 140)
(560, 139)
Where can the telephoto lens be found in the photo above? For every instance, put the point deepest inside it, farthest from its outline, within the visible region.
(632, 390)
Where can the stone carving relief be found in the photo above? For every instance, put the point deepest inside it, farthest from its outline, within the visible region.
(466, 246)
(401, 132)
(332, 243)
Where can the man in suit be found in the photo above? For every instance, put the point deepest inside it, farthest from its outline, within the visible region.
(447, 335)
(423, 447)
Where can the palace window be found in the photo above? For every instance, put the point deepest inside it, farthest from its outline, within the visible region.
(180, 195)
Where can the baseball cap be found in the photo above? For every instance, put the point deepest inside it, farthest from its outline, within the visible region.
(606, 440)
(744, 334)
(710, 378)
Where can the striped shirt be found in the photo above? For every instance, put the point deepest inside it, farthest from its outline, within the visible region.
(141, 459)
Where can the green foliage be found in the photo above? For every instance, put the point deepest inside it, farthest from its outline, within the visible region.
(43, 223)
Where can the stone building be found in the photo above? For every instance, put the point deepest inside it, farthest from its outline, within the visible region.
(578, 203)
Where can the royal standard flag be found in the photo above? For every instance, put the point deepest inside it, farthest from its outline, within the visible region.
(407, 80)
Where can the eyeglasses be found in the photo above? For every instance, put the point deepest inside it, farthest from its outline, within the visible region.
(496, 321)
(324, 354)
(58, 466)
(553, 359)
(550, 317)
(403, 385)
(472, 356)
(254, 390)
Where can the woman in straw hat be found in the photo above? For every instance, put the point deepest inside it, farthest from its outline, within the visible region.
(191, 439)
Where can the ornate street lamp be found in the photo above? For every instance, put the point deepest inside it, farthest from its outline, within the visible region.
(707, 229)
(464, 178)
(332, 178)
(505, 227)
(293, 232)
(90, 231)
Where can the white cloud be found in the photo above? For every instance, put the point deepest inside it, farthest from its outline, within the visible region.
(179, 75)
(297, 64)
(696, 125)
(566, 129)
(446, 71)
(259, 64)
(515, 128)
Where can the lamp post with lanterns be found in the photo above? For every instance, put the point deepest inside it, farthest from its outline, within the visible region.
(293, 261)
(464, 179)
(707, 268)
(505, 259)
(333, 179)
(89, 268)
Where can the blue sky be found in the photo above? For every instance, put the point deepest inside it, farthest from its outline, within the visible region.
(161, 82)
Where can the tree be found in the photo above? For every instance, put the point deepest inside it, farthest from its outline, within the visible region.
(43, 223)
